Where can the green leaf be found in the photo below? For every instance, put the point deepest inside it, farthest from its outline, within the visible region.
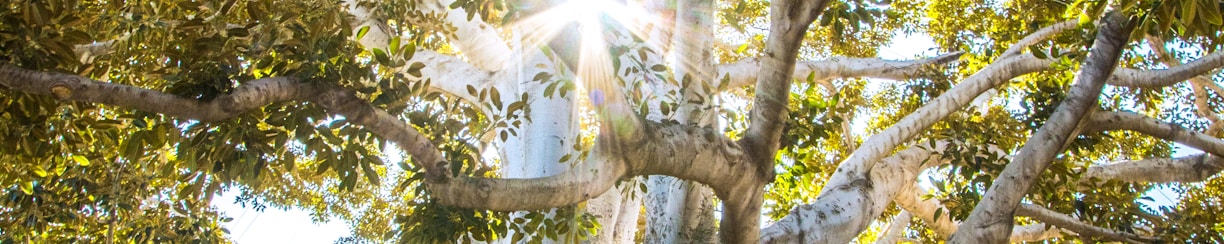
(80, 160)
(370, 174)
(381, 56)
(1037, 52)
(1187, 13)
(1210, 12)
(409, 51)
(395, 45)
(495, 97)
(658, 68)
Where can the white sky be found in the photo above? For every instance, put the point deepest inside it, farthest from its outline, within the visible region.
(275, 225)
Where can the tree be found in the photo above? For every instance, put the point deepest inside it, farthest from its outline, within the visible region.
(1040, 120)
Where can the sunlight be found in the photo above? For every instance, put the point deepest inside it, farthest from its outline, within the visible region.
(595, 74)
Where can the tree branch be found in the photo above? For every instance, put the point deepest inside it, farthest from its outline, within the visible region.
(743, 73)
(1105, 121)
(1192, 168)
(991, 220)
(586, 181)
(838, 215)
(879, 145)
(896, 229)
(1167, 77)
(250, 95)
(911, 200)
(789, 20)
(1034, 232)
(1198, 85)
(1038, 36)
(1073, 225)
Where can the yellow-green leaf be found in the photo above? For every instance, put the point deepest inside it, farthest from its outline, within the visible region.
(27, 187)
(39, 171)
(81, 160)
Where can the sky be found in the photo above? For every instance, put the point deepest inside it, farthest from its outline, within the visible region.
(275, 225)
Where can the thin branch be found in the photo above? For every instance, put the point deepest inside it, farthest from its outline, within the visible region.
(1073, 225)
(1198, 84)
(743, 73)
(896, 229)
(1038, 36)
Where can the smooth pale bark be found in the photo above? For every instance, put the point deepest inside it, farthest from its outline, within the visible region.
(896, 229)
(617, 212)
(876, 147)
(1083, 229)
(1040, 35)
(1105, 121)
(1192, 168)
(452, 76)
(910, 199)
(850, 208)
(1036, 232)
(658, 41)
(477, 40)
(1167, 77)
(743, 73)
(1045, 33)
(677, 211)
(788, 21)
(586, 181)
(664, 203)
(991, 220)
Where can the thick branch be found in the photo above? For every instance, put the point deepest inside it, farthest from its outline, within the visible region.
(789, 20)
(1083, 229)
(743, 73)
(1192, 168)
(586, 181)
(1034, 232)
(1104, 121)
(911, 200)
(991, 220)
(249, 95)
(1167, 77)
(838, 215)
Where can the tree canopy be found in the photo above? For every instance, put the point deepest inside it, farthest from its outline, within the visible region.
(662, 121)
